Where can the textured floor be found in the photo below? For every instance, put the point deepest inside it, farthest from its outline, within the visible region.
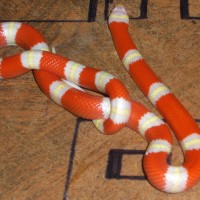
(46, 152)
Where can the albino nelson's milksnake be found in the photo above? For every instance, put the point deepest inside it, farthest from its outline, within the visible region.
(61, 80)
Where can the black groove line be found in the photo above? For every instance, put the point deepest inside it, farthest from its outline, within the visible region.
(197, 120)
(134, 178)
(71, 159)
(92, 10)
(110, 173)
(41, 20)
(91, 16)
(106, 9)
(143, 10)
(114, 164)
(184, 10)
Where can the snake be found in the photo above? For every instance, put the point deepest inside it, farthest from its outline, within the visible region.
(68, 84)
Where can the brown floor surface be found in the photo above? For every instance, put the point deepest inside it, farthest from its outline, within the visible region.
(36, 135)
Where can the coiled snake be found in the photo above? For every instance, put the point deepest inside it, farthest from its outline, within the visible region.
(62, 80)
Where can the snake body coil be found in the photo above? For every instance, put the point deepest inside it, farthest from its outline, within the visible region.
(62, 80)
